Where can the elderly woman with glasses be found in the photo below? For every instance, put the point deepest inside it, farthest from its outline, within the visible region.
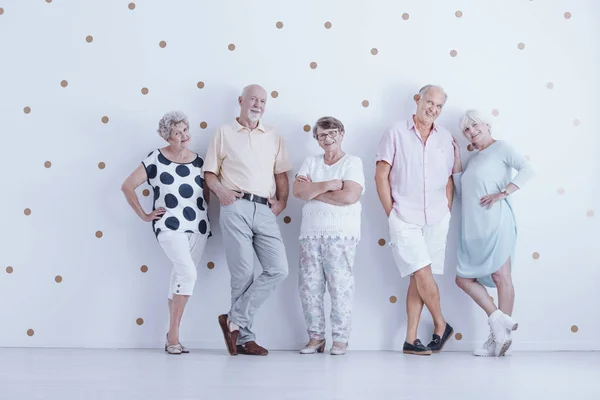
(488, 230)
(331, 184)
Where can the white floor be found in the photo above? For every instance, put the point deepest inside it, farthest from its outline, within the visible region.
(29, 374)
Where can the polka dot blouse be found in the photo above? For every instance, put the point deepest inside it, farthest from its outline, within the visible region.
(178, 188)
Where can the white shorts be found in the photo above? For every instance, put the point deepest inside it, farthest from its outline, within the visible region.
(415, 247)
(185, 250)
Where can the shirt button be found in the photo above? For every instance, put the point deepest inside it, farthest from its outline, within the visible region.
(178, 285)
(178, 291)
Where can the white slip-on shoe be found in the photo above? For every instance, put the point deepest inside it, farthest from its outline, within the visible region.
(338, 349)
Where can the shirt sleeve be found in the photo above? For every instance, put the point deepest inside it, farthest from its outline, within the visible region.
(282, 160)
(355, 173)
(387, 147)
(213, 159)
(149, 164)
(305, 169)
(514, 159)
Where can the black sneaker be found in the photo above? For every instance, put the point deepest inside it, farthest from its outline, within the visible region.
(437, 344)
(416, 348)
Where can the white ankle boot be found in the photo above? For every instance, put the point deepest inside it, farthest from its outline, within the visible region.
(502, 325)
(488, 349)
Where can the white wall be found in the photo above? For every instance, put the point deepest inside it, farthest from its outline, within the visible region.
(103, 291)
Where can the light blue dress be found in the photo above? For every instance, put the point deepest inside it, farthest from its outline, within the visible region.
(488, 237)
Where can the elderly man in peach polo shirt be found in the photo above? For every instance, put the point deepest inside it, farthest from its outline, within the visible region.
(414, 183)
(246, 167)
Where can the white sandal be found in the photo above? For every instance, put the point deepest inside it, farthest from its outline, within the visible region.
(184, 349)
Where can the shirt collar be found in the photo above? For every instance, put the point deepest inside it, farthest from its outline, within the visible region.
(411, 125)
(239, 127)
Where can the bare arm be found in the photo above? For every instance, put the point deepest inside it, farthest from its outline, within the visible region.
(450, 192)
(137, 177)
(384, 190)
(282, 191)
(349, 194)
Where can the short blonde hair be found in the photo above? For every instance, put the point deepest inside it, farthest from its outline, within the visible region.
(471, 116)
(168, 121)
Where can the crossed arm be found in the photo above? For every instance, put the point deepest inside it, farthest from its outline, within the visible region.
(335, 192)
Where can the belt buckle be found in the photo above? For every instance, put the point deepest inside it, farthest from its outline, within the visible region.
(251, 197)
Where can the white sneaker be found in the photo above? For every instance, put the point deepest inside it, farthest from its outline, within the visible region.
(488, 349)
(502, 338)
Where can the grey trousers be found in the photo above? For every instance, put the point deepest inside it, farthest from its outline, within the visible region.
(247, 228)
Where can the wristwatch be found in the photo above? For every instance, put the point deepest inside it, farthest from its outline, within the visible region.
(504, 192)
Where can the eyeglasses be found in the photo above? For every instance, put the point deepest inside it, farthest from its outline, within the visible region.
(324, 136)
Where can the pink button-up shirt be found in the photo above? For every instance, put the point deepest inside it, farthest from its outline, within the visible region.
(420, 171)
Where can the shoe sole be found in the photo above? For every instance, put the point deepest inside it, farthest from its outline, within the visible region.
(417, 353)
(443, 343)
(504, 348)
(225, 331)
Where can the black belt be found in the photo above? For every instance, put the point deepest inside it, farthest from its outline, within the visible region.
(255, 198)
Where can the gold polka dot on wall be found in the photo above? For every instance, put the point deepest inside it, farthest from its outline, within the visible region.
(536, 255)
(64, 83)
(27, 211)
(458, 14)
(200, 85)
(99, 234)
(495, 112)
(89, 38)
(145, 192)
(105, 120)
(203, 125)
(231, 47)
(131, 6)
(521, 46)
(274, 94)
(381, 242)
(365, 103)
(453, 53)
(313, 65)
(574, 329)
(48, 1)
(1, 10)
(590, 213)
(144, 91)
(30, 332)
(393, 299)
(458, 336)
(416, 97)
(560, 191)
(27, 110)
(144, 268)
(327, 25)
(576, 122)
(101, 165)
(9, 270)
(568, 15)
(279, 24)
(374, 51)
(162, 44)
(210, 265)
(58, 279)
(287, 220)
(306, 128)
(405, 16)
(550, 85)
(470, 147)
(139, 321)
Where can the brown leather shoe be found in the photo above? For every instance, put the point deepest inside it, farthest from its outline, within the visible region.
(252, 349)
(230, 337)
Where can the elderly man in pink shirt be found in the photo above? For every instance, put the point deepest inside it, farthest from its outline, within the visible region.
(414, 183)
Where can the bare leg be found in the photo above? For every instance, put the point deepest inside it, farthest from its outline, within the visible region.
(506, 291)
(176, 307)
(428, 290)
(414, 307)
(478, 293)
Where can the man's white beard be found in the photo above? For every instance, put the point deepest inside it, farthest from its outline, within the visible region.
(253, 116)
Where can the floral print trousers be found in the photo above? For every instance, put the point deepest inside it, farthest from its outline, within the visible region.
(327, 261)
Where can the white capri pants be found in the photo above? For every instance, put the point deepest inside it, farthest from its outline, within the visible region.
(415, 247)
(185, 250)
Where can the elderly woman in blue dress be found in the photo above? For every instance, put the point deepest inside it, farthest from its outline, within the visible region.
(179, 217)
(488, 231)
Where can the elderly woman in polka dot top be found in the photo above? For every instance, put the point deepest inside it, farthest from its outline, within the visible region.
(331, 184)
(179, 213)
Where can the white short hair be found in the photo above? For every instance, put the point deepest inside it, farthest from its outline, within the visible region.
(425, 88)
(168, 121)
(470, 117)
